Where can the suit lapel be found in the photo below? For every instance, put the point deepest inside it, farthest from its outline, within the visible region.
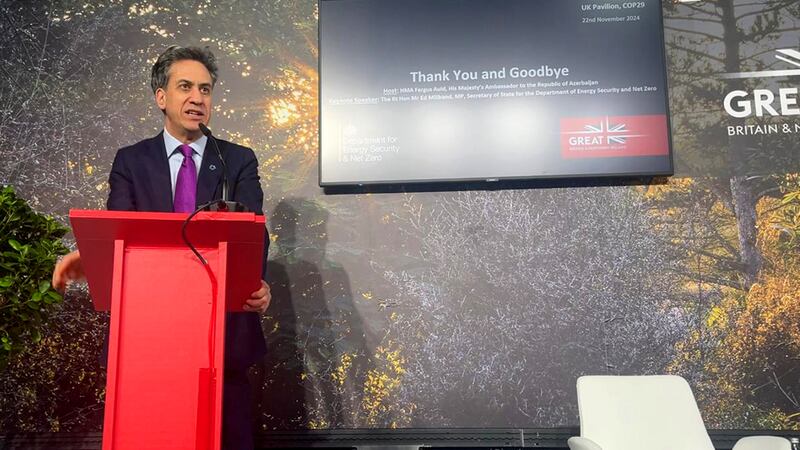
(159, 175)
(210, 174)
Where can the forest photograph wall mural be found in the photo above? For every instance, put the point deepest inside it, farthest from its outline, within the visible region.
(453, 308)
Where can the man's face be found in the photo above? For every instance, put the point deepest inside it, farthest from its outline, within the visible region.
(186, 101)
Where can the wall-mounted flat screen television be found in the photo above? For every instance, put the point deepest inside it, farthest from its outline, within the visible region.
(462, 90)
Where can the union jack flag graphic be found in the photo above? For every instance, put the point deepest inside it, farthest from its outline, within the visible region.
(614, 136)
(788, 55)
(612, 133)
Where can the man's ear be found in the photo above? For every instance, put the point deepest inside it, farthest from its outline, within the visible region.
(161, 99)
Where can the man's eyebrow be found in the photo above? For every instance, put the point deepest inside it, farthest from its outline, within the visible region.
(189, 82)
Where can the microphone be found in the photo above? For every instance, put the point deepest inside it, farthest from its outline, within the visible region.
(220, 205)
(225, 204)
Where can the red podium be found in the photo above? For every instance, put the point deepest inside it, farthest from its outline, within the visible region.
(167, 335)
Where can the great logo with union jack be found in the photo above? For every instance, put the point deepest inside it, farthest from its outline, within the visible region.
(614, 136)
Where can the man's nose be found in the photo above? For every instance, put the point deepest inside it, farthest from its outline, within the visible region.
(196, 96)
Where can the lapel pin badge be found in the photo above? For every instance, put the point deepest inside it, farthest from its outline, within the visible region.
(212, 167)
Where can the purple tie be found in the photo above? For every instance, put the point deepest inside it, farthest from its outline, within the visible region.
(186, 185)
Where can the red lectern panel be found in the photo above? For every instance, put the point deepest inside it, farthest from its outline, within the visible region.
(166, 343)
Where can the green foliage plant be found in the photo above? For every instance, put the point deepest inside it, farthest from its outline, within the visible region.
(30, 243)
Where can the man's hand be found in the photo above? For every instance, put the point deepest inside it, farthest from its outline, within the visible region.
(67, 270)
(259, 300)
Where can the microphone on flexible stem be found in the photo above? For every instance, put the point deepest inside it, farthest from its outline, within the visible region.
(224, 204)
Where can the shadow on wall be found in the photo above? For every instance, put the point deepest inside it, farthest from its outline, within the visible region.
(313, 374)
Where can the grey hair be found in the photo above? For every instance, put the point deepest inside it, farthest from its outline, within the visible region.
(159, 76)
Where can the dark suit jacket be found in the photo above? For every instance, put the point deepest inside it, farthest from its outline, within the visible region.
(140, 181)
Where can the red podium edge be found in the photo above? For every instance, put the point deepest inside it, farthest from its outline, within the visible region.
(210, 382)
(111, 370)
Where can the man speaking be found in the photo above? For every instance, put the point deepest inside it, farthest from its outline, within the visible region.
(174, 172)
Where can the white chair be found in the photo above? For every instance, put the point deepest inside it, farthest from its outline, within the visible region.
(647, 413)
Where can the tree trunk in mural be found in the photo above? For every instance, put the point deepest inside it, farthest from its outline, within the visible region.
(744, 203)
(743, 197)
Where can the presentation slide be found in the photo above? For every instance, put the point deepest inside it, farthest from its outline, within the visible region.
(445, 90)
